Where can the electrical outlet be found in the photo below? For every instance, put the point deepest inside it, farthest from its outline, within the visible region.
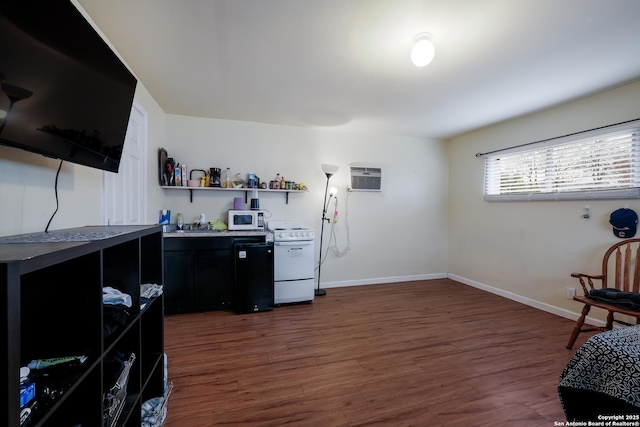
(571, 292)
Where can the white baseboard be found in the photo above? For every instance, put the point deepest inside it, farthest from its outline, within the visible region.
(379, 280)
(501, 292)
(527, 301)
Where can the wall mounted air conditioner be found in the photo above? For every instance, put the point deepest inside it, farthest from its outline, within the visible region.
(365, 178)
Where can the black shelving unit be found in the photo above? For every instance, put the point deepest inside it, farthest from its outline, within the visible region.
(245, 190)
(51, 298)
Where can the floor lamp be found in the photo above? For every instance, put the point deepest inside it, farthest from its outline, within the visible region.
(328, 170)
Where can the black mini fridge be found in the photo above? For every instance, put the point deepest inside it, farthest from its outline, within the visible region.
(253, 285)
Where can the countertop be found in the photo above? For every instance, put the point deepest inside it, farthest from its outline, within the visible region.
(213, 233)
(29, 246)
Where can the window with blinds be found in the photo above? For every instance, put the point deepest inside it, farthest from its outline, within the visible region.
(600, 164)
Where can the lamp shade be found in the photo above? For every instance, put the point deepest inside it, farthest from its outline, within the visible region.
(423, 50)
(329, 169)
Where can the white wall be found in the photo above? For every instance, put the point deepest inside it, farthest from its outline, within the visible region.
(28, 196)
(429, 219)
(527, 250)
(395, 234)
(27, 184)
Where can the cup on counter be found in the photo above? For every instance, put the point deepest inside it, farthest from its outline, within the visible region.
(238, 204)
(165, 217)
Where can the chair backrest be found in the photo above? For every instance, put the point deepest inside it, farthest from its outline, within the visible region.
(621, 266)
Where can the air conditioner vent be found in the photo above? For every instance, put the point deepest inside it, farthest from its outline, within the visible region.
(366, 179)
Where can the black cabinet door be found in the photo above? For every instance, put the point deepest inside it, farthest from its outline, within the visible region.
(213, 278)
(178, 281)
(253, 284)
(198, 274)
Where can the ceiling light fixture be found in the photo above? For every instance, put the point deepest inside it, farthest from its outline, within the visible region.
(423, 50)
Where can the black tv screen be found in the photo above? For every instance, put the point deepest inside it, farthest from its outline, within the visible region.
(64, 93)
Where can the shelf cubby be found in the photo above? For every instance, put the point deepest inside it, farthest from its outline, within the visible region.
(52, 296)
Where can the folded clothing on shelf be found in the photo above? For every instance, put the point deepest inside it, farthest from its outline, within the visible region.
(114, 316)
(150, 290)
(114, 296)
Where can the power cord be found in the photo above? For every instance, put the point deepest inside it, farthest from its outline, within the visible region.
(332, 235)
(46, 230)
(334, 248)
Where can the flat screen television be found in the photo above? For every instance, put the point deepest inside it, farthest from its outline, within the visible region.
(64, 93)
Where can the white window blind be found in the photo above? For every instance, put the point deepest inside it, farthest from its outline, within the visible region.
(600, 164)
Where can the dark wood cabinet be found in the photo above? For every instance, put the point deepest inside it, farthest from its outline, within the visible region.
(179, 281)
(199, 272)
(213, 274)
(51, 297)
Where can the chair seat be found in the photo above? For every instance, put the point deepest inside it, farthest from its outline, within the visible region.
(608, 307)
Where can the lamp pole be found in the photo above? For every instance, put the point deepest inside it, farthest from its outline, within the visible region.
(328, 170)
(321, 292)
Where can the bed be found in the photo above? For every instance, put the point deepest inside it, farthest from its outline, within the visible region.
(603, 378)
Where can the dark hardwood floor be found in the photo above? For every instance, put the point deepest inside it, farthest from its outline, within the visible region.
(424, 353)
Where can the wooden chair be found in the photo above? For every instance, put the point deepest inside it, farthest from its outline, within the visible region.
(620, 270)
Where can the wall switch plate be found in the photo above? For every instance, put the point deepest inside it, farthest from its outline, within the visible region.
(571, 292)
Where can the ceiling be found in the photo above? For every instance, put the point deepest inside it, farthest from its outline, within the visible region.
(344, 64)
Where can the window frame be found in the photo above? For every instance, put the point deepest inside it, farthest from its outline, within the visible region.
(547, 149)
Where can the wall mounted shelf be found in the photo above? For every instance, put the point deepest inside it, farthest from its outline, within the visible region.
(245, 190)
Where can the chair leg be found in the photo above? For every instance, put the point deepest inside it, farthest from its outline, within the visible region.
(578, 327)
(609, 325)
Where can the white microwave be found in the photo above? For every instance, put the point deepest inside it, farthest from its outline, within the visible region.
(246, 220)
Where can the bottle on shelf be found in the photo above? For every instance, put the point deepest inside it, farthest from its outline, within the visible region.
(277, 182)
(227, 179)
(283, 183)
(178, 175)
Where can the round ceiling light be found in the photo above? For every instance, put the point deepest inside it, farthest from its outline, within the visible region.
(423, 50)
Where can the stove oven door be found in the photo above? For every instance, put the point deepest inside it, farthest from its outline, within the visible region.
(293, 271)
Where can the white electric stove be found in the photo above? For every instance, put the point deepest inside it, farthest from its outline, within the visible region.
(293, 247)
